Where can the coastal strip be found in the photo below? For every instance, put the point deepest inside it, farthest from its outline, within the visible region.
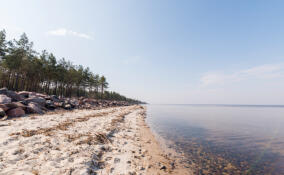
(114, 140)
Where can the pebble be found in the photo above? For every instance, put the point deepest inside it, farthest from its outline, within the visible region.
(163, 167)
(116, 160)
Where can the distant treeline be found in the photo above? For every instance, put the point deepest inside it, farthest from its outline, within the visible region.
(24, 69)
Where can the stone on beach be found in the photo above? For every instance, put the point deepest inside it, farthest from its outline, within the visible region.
(34, 108)
(4, 99)
(3, 90)
(58, 104)
(11, 94)
(2, 113)
(67, 106)
(50, 104)
(33, 102)
(38, 100)
(54, 98)
(24, 94)
(13, 105)
(16, 112)
(14, 96)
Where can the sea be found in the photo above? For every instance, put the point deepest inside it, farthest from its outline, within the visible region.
(223, 139)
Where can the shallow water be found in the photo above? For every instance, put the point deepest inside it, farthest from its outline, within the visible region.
(223, 139)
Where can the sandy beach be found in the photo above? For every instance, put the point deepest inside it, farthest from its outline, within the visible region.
(107, 141)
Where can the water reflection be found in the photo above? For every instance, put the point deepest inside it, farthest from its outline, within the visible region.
(224, 139)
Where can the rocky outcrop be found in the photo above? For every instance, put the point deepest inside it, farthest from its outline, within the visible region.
(16, 104)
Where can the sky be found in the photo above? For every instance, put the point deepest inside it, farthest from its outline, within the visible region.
(164, 51)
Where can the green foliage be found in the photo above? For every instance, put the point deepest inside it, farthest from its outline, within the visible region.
(2, 43)
(22, 68)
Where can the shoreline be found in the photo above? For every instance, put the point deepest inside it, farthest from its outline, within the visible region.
(114, 140)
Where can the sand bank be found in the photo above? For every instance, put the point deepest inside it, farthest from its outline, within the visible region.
(108, 141)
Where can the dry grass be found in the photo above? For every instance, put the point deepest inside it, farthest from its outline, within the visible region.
(61, 126)
(119, 119)
(99, 138)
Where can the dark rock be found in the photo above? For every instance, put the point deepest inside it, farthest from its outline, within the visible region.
(24, 94)
(32, 94)
(32, 102)
(38, 100)
(4, 99)
(34, 108)
(4, 107)
(16, 112)
(3, 91)
(74, 103)
(54, 98)
(14, 96)
(163, 167)
(9, 106)
(23, 102)
(17, 104)
(2, 113)
(49, 104)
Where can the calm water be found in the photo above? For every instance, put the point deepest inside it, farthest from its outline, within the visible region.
(220, 139)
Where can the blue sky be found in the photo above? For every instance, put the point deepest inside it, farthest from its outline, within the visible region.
(163, 51)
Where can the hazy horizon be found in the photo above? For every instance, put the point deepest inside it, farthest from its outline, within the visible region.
(185, 52)
(204, 104)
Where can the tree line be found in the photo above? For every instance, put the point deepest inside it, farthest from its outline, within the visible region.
(24, 69)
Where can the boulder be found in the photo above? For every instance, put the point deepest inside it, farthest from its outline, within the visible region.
(49, 104)
(67, 106)
(2, 113)
(24, 94)
(19, 104)
(3, 91)
(4, 107)
(34, 108)
(54, 98)
(47, 97)
(32, 94)
(74, 103)
(9, 106)
(14, 96)
(4, 99)
(41, 95)
(16, 112)
(58, 104)
(38, 100)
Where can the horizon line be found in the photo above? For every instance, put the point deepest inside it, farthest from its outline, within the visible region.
(212, 104)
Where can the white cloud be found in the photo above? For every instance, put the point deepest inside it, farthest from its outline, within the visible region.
(66, 32)
(258, 72)
(265, 71)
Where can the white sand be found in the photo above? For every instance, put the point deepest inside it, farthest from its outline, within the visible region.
(107, 141)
